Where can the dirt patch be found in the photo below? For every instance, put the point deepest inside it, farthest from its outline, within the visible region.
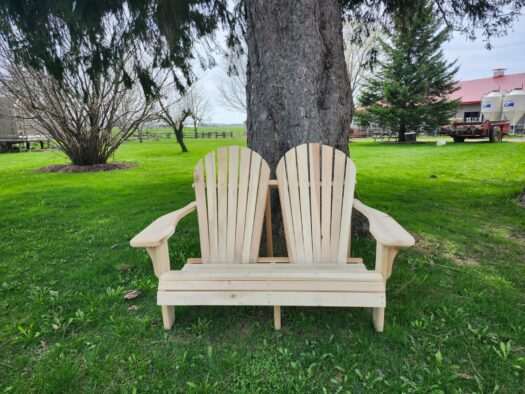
(70, 168)
(461, 260)
(426, 245)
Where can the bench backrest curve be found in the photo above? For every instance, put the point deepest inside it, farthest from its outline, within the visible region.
(316, 187)
(231, 185)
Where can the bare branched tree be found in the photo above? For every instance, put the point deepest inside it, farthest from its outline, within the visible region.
(232, 82)
(361, 51)
(199, 104)
(175, 109)
(89, 116)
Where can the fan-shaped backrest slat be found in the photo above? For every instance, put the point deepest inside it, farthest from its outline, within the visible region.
(315, 199)
(286, 209)
(244, 177)
(211, 192)
(326, 201)
(202, 213)
(304, 196)
(222, 199)
(233, 186)
(316, 187)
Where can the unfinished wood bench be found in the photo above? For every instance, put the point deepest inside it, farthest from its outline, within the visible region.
(231, 189)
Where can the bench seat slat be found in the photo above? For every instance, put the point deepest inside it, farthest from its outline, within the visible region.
(273, 272)
(270, 298)
(277, 267)
(272, 285)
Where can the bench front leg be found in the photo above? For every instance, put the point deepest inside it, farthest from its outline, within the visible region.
(161, 263)
(384, 260)
(155, 239)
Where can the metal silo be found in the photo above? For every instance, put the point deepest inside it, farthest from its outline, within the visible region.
(491, 106)
(514, 106)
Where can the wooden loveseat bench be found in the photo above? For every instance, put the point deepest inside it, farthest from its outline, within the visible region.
(316, 189)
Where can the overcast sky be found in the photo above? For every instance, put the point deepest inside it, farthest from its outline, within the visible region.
(474, 59)
(477, 62)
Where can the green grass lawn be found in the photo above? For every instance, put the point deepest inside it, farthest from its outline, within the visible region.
(455, 319)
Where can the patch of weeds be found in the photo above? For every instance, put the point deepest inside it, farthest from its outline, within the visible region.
(28, 333)
(503, 350)
(115, 292)
(199, 328)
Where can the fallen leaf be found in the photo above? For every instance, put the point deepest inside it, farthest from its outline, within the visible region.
(41, 348)
(55, 326)
(465, 376)
(133, 308)
(131, 294)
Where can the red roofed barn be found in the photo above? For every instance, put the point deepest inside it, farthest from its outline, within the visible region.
(471, 92)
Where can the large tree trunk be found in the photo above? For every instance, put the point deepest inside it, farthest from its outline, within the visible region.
(298, 88)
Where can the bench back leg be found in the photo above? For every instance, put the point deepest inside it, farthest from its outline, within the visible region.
(168, 316)
(277, 317)
(379, 318)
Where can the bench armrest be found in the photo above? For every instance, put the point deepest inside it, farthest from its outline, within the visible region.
(161, 229)
(383, 228)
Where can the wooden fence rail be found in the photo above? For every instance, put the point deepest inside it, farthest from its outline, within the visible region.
(187, 135)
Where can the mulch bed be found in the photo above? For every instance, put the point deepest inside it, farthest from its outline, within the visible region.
(69, 168)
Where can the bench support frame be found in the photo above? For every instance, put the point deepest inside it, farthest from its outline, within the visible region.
(389, 235)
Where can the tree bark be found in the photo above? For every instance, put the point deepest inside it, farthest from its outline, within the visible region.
(179, 135)
(298, 88)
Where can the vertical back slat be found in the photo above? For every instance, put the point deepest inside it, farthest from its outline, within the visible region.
(337, 201)
(200, 196)
(326, 201)
(233, 184)
(211, 191)
(241, 202)
(315, 190)
(286, 209)
(260, 206)
(222, 200)
(293, 187)
(346, 216)
(304, 196)
(253, 188)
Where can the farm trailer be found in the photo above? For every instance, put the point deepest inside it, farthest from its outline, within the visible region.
(494, 130)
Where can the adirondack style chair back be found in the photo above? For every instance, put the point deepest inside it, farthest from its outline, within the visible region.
(231, 187)
(316, 188)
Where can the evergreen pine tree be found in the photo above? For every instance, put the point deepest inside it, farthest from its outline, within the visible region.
(410, 90)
